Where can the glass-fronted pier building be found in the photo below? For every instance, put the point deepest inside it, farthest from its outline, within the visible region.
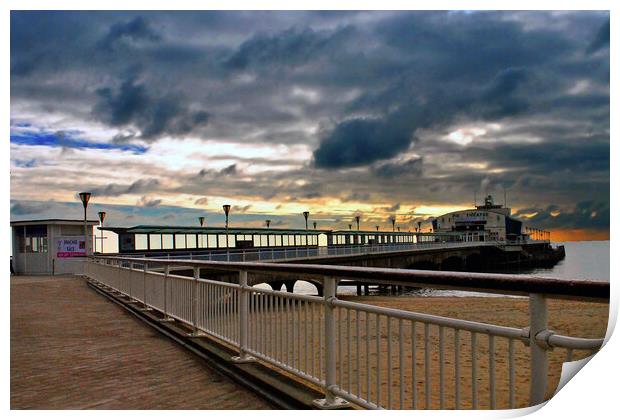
(152, 239)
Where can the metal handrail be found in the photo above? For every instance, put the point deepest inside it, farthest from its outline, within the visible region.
(277, 327)
(512, 284)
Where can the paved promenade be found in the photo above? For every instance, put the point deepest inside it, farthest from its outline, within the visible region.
(73, 349)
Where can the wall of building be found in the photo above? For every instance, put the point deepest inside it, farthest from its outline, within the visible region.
(51, 262)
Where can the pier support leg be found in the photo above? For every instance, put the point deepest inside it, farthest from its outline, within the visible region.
(359, 290)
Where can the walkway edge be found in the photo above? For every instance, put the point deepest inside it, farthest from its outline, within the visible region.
(279, 390)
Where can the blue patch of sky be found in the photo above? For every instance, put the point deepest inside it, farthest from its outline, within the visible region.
(70, 139)
(25, 163)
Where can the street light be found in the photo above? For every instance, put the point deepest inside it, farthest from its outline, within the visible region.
(350, 226)
(201, 220)
(314, 224)
(306, 214)
(85, 196)
(267, 222)
(357, 220)
(377, 228)
(101, 219)
(393, 220)
(226, 208)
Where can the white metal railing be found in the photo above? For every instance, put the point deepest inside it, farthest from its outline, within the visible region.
(374, 357)
(283, 254)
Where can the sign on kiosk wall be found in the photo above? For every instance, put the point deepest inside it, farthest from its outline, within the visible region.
(71, 247)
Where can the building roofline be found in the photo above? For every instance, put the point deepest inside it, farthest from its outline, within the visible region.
(489, 210)
(52, 222)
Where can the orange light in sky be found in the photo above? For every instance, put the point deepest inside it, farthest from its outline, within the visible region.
(567, 235)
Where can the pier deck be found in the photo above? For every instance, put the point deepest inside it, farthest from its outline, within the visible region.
(71, 349)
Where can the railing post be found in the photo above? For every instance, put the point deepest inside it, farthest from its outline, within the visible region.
(330, 401)
(244, 299)
(144, 306)
(131, 297)
(538, 352)
(194, 304)
(166, 317)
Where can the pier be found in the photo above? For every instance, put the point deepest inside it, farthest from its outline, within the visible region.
(72, 349)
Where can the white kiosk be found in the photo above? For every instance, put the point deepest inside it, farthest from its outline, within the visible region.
(51, 246)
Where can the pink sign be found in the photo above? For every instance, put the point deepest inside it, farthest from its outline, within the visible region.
(71, 247)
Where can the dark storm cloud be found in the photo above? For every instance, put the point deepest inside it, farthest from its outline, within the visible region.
(132, 106)
(134, 30)
(362, 141)
(148, 202)
(294, 46)
(584, 215)
(137, 187)
(601, 40)
(394, 169)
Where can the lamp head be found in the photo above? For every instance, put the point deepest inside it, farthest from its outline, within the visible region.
(306, 214)
(101, 216)
(267, 222)
(201, 219)
(226, 208)
(85, 196)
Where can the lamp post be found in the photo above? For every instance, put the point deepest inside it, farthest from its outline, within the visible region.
(357, 220)
(350, 226)
(267, 222)
(226, 208)
(377, 228)
(393, 220)
(101, 219)
(85, 196)
(314, 224)
(201, 220)
(306, 214)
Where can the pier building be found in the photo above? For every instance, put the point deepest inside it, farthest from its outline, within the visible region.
(51, 246)
(488, 222)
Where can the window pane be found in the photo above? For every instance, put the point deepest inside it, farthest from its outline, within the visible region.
(190, 242)
(179, 241)
(155, 241)
(166, 241)
(140, 241)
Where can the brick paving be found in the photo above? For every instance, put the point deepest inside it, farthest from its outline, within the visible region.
(73, 349)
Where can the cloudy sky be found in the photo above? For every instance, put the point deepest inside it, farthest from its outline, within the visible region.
(167, 116)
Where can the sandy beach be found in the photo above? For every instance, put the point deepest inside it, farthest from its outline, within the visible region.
(579, 319)
(360, 371)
